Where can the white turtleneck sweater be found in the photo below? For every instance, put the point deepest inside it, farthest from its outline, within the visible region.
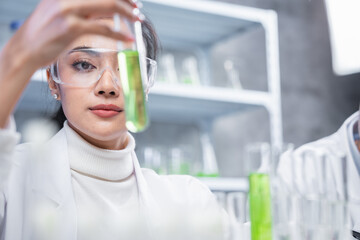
(105, 188)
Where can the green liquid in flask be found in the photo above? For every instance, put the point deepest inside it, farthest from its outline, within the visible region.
(131, 80)
(260, 206)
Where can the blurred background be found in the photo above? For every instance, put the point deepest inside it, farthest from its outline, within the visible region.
(230, 73)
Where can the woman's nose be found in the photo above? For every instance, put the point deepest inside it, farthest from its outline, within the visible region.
(107, 84)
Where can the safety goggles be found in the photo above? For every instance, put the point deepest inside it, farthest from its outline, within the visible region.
(83, 67)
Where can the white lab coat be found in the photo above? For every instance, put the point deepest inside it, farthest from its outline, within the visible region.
(304, 175)
(37, 201)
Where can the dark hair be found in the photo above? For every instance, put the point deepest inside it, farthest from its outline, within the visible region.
(152, 47)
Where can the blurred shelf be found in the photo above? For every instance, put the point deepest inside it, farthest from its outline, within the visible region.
(226, 184)
(171, 102)
(205, 24)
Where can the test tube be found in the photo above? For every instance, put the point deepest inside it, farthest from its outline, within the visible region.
(132, 67)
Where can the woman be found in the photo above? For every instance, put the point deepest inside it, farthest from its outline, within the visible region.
(85, 182)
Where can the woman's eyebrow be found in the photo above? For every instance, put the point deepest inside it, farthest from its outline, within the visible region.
(80, 48)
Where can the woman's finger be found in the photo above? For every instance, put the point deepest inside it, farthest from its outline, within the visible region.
(91, 8)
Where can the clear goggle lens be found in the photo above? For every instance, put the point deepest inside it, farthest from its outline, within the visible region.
(84, 67)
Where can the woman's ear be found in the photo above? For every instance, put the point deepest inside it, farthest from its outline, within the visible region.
(53, 86)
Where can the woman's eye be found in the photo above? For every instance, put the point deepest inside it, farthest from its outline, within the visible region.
(83, 66)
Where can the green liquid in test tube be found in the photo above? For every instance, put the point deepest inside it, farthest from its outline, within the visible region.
(260, 206)
(132, 84)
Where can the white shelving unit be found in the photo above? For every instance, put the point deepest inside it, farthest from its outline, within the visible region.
(197, 26)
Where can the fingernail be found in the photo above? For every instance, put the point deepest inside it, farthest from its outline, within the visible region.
(138, 14)
(135, 3)
(142, 17)
(139, 4)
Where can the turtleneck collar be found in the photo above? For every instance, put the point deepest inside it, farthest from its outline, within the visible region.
(109, 165)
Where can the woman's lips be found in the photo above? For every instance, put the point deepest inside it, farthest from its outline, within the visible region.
(106, 111)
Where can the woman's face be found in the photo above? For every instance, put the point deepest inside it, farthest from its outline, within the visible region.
(96, 112)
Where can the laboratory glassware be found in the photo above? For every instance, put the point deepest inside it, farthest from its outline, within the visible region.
(237, 208)
(258, 159)
(190, 72)
(311, 203)
(232, 69)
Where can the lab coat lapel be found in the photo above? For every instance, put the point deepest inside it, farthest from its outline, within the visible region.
(353, 178)
(148, 206)
(146, 199)
(53, 196)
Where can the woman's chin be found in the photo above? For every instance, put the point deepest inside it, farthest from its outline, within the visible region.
(101, 131)
(104, 133)
(107, 139)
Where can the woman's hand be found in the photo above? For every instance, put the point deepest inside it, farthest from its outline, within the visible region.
(47, 32)
(56, 23)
